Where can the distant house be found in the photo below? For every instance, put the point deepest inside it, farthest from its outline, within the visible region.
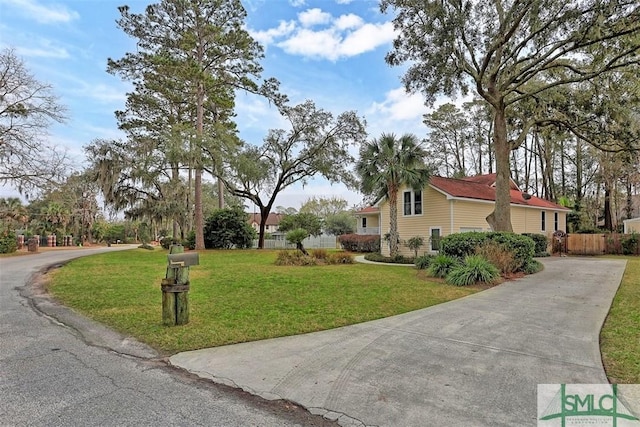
(631, 225)
(448, 205)
(272, 224)
(368, 220)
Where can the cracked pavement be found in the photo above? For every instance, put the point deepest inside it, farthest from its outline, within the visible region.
(60, 369)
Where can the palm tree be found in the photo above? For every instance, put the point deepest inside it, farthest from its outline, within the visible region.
(13, 212)
(385, 165)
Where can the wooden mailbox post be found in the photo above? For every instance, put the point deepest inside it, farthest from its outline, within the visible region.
(175, 287)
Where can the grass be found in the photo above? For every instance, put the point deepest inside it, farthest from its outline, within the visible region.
(239, 296)
(619, 342)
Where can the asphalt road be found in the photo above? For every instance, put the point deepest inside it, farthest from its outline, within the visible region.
(58, 369)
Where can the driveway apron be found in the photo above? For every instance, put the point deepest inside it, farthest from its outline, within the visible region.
(475, 361)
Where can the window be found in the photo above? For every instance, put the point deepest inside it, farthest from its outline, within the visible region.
(543, 226)
(435, 239)
(364, 222)
(555, 221)
(417, 203)
(412, 203)
(407, 202)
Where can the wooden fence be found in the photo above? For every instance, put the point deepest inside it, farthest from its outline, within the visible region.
(597, 244)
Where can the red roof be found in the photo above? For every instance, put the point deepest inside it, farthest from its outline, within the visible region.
(481, 188)
(488, 179)
(272, 219)
(368, 210)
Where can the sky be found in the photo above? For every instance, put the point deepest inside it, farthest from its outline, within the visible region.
(329, 51)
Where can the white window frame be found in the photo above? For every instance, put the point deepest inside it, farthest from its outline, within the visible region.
(430, 237)
(413, 203)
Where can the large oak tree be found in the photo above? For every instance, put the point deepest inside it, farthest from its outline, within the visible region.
(509, 51)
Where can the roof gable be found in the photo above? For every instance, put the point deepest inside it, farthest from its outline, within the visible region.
(272, 219)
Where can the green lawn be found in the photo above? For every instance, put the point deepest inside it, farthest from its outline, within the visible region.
(620, 337)
(239, 296)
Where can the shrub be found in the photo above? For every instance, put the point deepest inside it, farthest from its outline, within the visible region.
(228, 228)
(339, 258)
(521, 247)
(630, 244)
(532, 266)
(498, 256)
(319, 253)
(360, 243)
(475, 269)
(295, 258)
(8, 242)
(423, 262)
(541, 243)
(441, 265)
(460, 245)
(414, 244)
(398, 259)
(165, 242)
(190, 241)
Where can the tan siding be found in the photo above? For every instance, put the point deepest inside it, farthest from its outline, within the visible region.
(466, 214)
(372, 220)
(632, 227)
(435, 213)
(470, 215)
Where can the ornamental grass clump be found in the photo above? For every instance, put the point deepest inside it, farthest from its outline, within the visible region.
(441, 265)
(475, 269)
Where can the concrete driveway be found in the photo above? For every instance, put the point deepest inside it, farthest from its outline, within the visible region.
(470, 362)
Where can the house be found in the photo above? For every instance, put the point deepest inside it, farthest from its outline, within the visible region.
(448, 205)
(631, 225)
(271, 225)
(368, 220)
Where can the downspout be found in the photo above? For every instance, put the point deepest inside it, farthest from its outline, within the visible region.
(451, 216)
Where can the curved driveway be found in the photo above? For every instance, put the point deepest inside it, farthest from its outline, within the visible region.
(50, 376)
(475, 361)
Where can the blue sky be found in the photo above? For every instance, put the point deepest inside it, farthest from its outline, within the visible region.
(329, 51)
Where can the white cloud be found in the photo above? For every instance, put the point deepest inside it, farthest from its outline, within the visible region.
(343, 1)
(297, 3)
(346, 22)
(266, 37)
(399, 105)
(44, 14)
(367, 38)
(312, 17)
(318, 44)
(345, 36)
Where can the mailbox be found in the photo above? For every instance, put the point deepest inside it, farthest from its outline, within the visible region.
(183, 260)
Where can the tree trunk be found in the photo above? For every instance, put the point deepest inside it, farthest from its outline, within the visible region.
(301, 248)
(608, 221)
(500, 218)
(264, 215)
(393, 222)
(220, 194)
(199, 214)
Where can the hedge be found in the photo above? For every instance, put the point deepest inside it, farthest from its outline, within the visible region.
(461, 245)
(360, 243)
